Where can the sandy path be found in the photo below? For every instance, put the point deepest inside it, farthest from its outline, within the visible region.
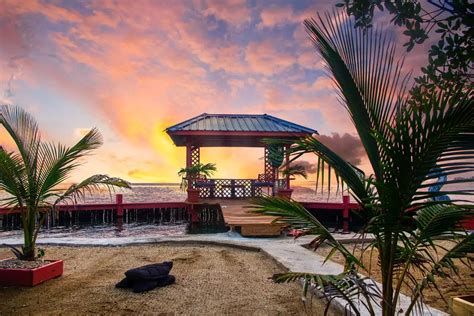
(210, 280)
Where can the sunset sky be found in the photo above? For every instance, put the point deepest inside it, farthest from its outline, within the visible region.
(133, 68)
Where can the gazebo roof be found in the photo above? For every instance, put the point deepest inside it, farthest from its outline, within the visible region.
(234, 130)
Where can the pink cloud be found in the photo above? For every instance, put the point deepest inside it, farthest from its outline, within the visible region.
(276, 15)
(235, 12)
(268, 57)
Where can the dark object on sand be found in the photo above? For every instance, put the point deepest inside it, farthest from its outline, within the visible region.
(148, 277)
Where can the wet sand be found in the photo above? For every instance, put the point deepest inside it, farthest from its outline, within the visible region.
(209, 280)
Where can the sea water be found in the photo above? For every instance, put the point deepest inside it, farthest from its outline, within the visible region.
(145, 193)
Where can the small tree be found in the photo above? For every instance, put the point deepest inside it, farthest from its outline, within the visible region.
(193, 172)
(32, 175)
(293, 170)
(409, 140)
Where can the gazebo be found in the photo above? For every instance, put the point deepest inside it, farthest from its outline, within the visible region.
(234, 130)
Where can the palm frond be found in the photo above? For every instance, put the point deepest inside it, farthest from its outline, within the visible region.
(89, 185)
(364, 70)
(347, 286)
(188, 174)
(297, 217)
(295, 170)
(58, 161)
(460, 251)
(436, 135)
(352, 176)
(12, 177)
(23, 129)
(435, 221)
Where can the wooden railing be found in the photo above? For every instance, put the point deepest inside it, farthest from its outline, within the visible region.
(345, 207)
(118, 213)
(118, 206)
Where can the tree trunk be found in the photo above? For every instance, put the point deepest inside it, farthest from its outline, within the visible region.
(388, 305)
(29, 253)
(28, 248)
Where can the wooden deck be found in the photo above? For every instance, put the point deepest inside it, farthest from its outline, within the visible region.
(237, 217)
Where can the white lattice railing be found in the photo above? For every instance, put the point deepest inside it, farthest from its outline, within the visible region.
(231, 188)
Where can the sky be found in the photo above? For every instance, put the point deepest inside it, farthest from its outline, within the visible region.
(133, 68)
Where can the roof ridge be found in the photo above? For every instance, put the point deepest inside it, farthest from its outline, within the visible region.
(232, 114)
(288, 123)
(188, 121)
(284, 125)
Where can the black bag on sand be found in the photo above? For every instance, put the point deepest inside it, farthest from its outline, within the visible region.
(150, 272)
(145, 285)
(148, 277)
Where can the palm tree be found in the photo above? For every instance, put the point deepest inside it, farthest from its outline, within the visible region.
(405, 138)
(293, 170)
(32, 175)
(190, 173)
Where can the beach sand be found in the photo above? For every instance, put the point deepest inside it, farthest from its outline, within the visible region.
(209, 280)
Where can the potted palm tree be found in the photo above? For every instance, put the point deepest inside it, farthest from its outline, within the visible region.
(190, 175)
(291, 171)
(31, 177)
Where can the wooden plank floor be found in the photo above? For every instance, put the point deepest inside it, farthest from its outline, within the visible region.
(237, 217)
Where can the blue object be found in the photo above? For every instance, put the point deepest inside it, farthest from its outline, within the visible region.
(436, 187)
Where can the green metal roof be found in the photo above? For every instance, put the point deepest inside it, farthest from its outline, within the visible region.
(239, 123)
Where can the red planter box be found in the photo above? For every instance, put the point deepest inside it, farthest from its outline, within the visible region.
(31, 277)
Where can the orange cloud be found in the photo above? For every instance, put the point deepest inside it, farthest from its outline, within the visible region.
(141, 66)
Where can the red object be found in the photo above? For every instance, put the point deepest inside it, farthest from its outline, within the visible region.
(345, 207)
(194, 215)
(119, 202)
(330, 205)
(31, 277)
(468, 224)
(295, 233)
(345, 213)
(193, 195)
(284, 193)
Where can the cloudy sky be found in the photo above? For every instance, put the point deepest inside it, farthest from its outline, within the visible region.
(133, 68)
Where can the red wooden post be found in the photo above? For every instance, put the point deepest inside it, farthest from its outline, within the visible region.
(119, 202)
(189, 161)
(193, 213)
(345, 213)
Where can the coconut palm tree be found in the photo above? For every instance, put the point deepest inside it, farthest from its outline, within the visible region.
(293, 170)
(32, 175)
(405, 138)
(194, 171)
